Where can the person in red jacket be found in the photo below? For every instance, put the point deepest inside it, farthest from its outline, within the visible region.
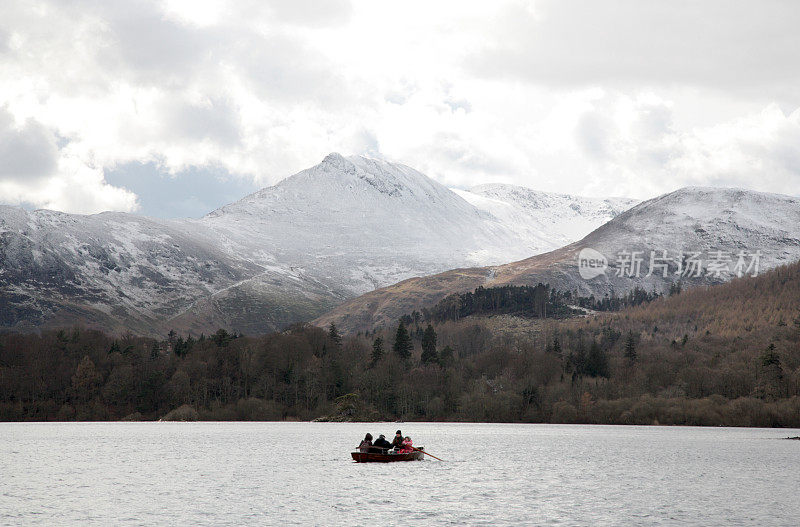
(407, 446)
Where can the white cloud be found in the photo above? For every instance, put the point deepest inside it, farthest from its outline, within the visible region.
(634, 149)
(621, 97)
(33, 170)
(76, 188)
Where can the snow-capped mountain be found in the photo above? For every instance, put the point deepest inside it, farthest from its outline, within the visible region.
(546, 220)
(119, 271)
(283, 254)
(693, 235)
(363, 223)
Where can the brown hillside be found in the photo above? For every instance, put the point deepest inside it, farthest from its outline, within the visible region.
(705, 221)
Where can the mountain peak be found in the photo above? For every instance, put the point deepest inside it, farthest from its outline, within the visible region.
(335, 160)
(702, 201)
(343, 227)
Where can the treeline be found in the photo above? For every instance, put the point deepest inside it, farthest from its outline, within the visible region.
(725, 355)
(539, 301)
(635, 297)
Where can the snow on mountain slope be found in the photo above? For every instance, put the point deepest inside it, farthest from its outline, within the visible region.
(286, 253)
(708, 219)
(104, 267)
(363, 223)
(546, 220)
(714, 224)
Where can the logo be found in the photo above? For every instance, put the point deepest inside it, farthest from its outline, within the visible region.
(591, 263)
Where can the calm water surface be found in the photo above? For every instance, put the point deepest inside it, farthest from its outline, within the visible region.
(302, 474)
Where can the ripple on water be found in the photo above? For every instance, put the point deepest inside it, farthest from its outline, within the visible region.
(301, 474)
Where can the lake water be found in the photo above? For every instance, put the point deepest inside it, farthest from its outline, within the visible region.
(302, 474)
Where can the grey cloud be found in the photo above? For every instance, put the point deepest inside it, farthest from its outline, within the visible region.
(5, 37)
(313, 13)
(787, 155)
(149, 43)
(137, 42)
(454, 151)
(593, 133)
(652, 126)
(719, 43)
(27, 153)
(780, 154)
(218, 120)
(653, 121)
(283, 68)
(656, 156)
(600, 137)
(279, 65)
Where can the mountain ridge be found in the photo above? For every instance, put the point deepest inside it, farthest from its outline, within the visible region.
(705, 218)
(283, 254)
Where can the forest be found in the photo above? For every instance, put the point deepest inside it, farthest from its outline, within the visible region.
(539, 301)
(722, 355)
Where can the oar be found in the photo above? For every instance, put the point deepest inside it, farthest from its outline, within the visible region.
(420, 450)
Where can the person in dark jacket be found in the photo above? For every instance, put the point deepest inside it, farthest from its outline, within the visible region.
(381, 445)
(366, 444)
(397, 442)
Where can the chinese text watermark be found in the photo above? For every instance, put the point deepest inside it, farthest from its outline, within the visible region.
(690, 264)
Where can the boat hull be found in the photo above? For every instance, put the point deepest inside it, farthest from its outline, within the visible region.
(369, 457)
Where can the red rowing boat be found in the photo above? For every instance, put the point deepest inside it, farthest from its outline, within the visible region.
(372, 457)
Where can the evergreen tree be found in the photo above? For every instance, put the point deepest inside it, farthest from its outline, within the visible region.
(577, 359)
(221, 338)
(771, 375)
(429, 354)
(446, 357)
(556, 346)
(182, 347)
(155, 350)
(630, 348)
(179, 348)
(402, 342)
(334, 335)
(596, 361)
(377, 350)
(114, 347)
(770, 357)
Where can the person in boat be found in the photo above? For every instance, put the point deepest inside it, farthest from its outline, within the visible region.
(397, 442)
(381, 445)
(366, 444)
(407, 446)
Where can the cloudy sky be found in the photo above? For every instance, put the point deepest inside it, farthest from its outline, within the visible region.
(174, 108)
